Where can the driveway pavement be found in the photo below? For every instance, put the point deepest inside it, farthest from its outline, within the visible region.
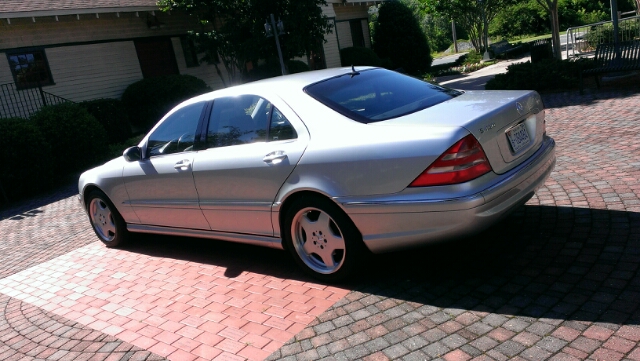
(557, 280)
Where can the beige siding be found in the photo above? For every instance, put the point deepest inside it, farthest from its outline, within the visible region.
(203, 71)
(331, 51)
(344, 34)
(328, 11)
(87, 72)
(68, 29)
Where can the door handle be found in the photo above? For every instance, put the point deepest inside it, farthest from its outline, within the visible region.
(275, 157)
(184, 164)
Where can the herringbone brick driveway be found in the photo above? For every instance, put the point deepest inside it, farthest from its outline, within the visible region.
(558, 280)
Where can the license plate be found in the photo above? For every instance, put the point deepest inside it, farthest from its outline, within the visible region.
(518, 137)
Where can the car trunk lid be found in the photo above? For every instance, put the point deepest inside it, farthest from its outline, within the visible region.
(508, 124)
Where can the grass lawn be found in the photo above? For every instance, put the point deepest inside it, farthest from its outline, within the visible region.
(528, 39)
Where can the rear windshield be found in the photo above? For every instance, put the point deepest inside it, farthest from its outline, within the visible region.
(374, 95)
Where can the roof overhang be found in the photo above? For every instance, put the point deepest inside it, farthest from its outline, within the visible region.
(61, 12)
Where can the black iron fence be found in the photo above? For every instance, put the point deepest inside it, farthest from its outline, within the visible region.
(22, 103)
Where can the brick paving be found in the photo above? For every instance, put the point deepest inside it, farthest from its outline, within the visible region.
(557, 280)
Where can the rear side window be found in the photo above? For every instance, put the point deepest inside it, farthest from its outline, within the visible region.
(375, 95)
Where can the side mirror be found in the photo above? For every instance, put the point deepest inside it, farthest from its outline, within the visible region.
(132, 154)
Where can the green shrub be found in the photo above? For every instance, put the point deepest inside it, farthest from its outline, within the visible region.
(113, 116)
(546, 75)
(148, 100)
(604, 33)
(116, 150)
(271, 69)
(77, 139)
(398, 37)
(297, 66)
(472, 57)
(358, 55)
(25, 158)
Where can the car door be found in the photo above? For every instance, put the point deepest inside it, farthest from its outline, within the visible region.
(160, 186)
(252, 147)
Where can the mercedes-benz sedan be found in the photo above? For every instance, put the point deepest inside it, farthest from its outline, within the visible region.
(327, 165)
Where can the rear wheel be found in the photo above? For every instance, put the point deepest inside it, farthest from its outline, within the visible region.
(105, 220)
(322, 239)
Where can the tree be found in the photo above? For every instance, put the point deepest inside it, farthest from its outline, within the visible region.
(436, 28)
(473, 15)
(233, 30)
(397, 36)
(551, 6)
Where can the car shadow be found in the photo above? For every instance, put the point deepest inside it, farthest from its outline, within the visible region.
(541, 262)
(234, 257)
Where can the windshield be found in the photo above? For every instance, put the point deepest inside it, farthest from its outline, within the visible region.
(374, 95)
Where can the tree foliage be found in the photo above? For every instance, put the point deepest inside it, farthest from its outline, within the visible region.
(529, 18)
(435, 27)
(148, 100)
(397, 36)
(472, 15)
(233, 30)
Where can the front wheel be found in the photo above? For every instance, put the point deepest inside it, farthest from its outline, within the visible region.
(105, 220)
(322, 239)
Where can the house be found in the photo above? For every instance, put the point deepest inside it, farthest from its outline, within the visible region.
(83, 50)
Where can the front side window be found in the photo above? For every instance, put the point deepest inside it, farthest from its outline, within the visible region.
(177, 132)
(375, 95)
(30, 69)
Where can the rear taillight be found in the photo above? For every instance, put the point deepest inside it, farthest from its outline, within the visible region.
(463, 162)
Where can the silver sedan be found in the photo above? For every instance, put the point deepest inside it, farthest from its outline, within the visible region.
(327, 165)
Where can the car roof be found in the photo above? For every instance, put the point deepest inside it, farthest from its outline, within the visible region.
(280, 84)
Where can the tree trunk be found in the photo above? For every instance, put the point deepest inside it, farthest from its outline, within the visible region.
(555, 28)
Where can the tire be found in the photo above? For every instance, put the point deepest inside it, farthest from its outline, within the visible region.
(105, 220)
(322, 239)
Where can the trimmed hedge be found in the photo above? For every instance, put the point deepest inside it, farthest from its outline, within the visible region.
(297, 66)
(358, 55)
(113, 116)
(77, 139)
(148, 100)
(25, 156)
(271, 69)
(398, 37)
(546, 75)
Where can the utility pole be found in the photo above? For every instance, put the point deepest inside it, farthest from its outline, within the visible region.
(455, 38)
(275, 30)
(614, 20)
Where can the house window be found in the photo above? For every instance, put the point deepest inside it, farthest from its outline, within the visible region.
(356, 32)
(189, 51)
(30, 68)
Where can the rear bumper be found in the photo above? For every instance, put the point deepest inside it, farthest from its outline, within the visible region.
(402, 221)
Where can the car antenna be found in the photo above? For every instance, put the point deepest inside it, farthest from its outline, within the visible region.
(353, 71)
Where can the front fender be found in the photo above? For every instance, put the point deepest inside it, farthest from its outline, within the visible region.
(108, 179)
